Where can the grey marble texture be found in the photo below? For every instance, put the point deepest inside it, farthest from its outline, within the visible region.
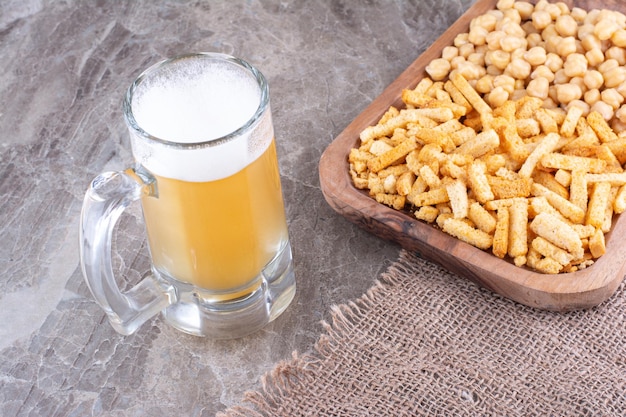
(64, 67)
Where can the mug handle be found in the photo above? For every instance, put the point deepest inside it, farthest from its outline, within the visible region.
(109, 194)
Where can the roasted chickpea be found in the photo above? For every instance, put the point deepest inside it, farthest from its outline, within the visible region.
(592, 96)
(461, 39)
(568, 92)
(470, 70)
(566, 25)
(617, 53)
(484, 84)
(604, 109)
(575, 65)
(497, 97)
(514, 16)
(478, 35)
(505, 4)
(612, 97)
(500, 59)
(593, 79)
(510, 43)
(466, 49)
(518, 68)
(493, 39)
(578, 14)
(567, 46)
(560, 77)
(621, 114)
(524, 8)
(534, 39)
(589, 41)
(554, 62)
(614, 77)
(477, 58)
(438, 69)
(594, 57)
(541, 18)
(554, 10)
(455, 62)
(538, 88)
(619, 38)
(542, 71)
(605, 28)
(505, 81)
(535, 56)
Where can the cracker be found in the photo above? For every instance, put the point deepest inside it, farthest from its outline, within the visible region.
(557, 232)
(463, 231)
(547, 145)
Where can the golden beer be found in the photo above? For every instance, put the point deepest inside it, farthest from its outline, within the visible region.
(206, 172)
(218, 235)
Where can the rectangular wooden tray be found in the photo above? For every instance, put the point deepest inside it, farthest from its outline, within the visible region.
(569, 291)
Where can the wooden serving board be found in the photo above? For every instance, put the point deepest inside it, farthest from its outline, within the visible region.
(569, 291)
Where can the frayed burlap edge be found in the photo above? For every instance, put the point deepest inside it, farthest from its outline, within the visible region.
(594, 347)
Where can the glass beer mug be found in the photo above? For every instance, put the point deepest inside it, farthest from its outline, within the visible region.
(207, 176)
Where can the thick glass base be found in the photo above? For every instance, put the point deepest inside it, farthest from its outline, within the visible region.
(201, 315)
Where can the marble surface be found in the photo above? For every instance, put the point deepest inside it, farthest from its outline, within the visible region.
(65, 66)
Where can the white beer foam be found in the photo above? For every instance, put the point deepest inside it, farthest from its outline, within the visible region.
(197, 100)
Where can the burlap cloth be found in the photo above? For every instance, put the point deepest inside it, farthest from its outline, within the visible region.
(424, 342)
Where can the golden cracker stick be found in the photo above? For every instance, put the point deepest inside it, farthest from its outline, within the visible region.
(481, 217)
(405, 117)
(457, 193)
(601, 127)
(429, 198)
(500, 245)
(557, 232)
(619, 204)
(612, 163)
(571, 121)
(544, 147)
(423, 85)
(392, 200)
(598, 203)
(550, 250)
(429, 175)
(549, 181)
(578, 194)
(469, 93)
(511, 140)
(479, 145)
(457, 96)
(618, 147)
(518, 233)
(540, 205)
(597, 244)
(461, 230)
(527, 128)
(477, 181)
(415, 98)
(615, 179)
(427, 213)
(546, 121)
(548, 266)
(391, 156)
(527, 106)
(509, 188)
(565, 207)
(572, 162)
(405, 183)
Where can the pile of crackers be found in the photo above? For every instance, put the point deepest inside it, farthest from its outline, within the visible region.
(531, 184)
